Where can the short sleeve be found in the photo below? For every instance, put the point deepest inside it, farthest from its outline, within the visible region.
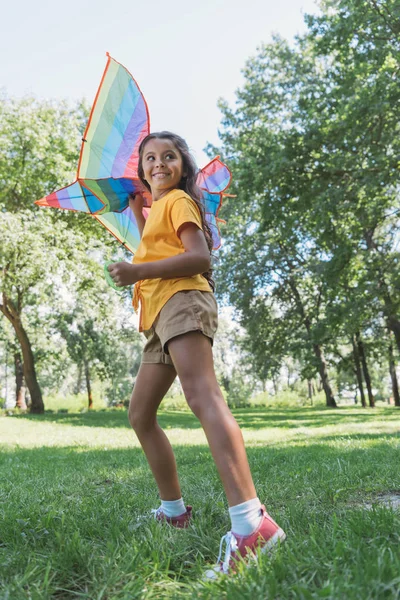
(185, 210)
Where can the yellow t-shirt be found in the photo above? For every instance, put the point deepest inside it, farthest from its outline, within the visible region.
(160, 240)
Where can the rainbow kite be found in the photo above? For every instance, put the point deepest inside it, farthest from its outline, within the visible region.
(108, 162)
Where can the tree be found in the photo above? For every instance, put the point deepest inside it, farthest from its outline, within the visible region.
(355, 139)
(270, 258)
(123, 358)
(312, 142)
(97, 331)
(86, 347)
(393, 375)
(39, 148)
(36, 256)
(41, 250)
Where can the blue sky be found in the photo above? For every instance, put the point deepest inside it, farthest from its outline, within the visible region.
(184, 55)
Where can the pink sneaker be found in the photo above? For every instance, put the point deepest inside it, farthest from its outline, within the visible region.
(265, 537)
(181, 522)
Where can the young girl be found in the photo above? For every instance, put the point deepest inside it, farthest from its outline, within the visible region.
(171, 270)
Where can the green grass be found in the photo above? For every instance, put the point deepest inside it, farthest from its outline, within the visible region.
(75, 492)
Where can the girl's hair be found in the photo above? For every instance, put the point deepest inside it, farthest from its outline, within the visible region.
(187, 183)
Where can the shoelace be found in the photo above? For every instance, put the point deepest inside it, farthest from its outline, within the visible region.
(231, 546)
(157, 511)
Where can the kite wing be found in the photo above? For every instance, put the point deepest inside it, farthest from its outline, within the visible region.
(108, 163)
(118, 122)
(107, 168)
(71, 197)
(123, 226)
(213, 180)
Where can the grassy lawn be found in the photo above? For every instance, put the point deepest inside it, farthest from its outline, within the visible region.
(76, 492)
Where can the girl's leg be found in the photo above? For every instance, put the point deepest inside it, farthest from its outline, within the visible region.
(152, 383)
(193, 361)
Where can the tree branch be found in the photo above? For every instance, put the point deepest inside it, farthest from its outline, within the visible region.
(387, 22)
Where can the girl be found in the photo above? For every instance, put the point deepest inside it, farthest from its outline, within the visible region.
(171, 270)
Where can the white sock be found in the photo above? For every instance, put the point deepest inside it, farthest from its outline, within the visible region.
(245, 517)
(173, 508)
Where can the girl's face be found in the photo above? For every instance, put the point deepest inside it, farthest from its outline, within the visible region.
(163, 166)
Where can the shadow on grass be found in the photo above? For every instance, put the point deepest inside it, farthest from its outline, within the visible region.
(250, 418)
(82, 509)
(355, 436)
(286, 474)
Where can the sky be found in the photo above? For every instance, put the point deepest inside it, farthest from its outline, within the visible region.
(184, 55)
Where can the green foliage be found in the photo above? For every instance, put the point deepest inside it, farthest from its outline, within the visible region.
(74, 403)
(287, 398)
(98, 337)
(310, 259)
(39, 148)
(311, 254)
(240, 390)
(51, 276)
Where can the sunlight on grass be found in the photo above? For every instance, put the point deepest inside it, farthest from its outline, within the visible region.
(259, 427)
(76, 494)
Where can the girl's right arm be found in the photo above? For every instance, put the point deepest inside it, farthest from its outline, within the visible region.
(136, 204)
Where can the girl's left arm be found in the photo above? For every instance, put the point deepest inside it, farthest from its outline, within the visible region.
(195, 260)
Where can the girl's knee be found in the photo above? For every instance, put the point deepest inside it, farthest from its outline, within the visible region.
(202, 399)
(132, 417)
(140, 420)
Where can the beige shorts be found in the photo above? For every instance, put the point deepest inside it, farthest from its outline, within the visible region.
(189, 310)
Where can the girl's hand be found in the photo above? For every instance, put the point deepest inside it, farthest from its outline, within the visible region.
(124, 273)
(136, 203)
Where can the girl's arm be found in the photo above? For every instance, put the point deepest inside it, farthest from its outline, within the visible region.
(136, 203)
(195, 260)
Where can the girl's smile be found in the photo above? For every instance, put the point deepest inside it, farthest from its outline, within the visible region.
(162, 166)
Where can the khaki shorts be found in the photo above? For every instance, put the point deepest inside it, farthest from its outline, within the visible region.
(189, 310)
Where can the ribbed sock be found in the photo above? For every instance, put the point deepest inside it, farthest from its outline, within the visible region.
(245, 517)
(173, 508)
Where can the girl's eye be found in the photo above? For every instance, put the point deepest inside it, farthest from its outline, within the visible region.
(169, 156)
(150, 158)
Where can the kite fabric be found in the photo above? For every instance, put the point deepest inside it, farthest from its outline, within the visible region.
(213, 180)
(108, 163)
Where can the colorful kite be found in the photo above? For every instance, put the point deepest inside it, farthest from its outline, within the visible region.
(108, 162)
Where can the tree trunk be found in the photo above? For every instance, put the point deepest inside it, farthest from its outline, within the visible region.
(6, 376)
(310, 390)
(393, 376)
(9, 310)
(20, 388)
(37, 406)
(358, 371)
(88, 385)
(79, 380)
(323, 371)
(361, 352)
(275, 384)
(225, 380)
(394, 325)
(392, 321)
(322, 368)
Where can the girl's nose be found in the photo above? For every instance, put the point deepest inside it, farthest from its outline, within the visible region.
(159, 162)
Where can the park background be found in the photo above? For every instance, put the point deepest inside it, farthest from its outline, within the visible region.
(307, 280)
